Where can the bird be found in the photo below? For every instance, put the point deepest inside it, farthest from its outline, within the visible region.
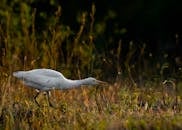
(45, 80)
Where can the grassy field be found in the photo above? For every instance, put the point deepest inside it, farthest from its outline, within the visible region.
(116, 106)
(124, 104)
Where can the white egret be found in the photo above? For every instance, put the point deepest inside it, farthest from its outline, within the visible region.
(45, 80)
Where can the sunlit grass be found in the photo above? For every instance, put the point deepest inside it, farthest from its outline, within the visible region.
(114, 106)
(135, 99)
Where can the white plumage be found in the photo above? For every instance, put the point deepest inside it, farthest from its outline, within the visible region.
(47, 79)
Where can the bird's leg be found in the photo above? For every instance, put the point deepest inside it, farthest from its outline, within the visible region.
(36, 98)
(48, 96)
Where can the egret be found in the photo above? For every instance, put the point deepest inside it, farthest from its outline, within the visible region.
(44, 80)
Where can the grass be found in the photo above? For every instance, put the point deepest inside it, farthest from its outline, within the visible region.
(112, 107)
(124, 104)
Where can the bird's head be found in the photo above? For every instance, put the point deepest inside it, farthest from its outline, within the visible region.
(93, 81)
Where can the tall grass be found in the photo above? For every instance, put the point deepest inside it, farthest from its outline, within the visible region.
(115, 106)
(129, 102)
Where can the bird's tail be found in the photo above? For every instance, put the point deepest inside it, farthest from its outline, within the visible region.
(18, 74)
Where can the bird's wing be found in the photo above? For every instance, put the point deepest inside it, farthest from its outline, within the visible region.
(46, 72)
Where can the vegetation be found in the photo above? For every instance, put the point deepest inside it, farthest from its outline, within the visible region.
(144, 93)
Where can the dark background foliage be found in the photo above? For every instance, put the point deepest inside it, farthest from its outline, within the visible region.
(147, 32)
(157, 23)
